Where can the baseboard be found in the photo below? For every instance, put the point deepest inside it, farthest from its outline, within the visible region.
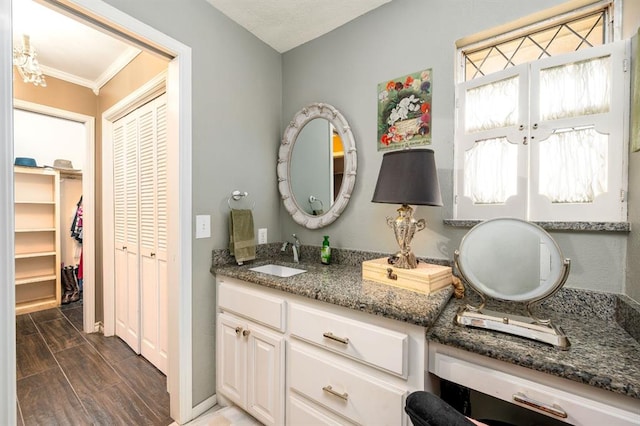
(98, 327)
(204, 406)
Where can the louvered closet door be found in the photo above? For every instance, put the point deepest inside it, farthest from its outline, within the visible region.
(125, 169)
(153, 232)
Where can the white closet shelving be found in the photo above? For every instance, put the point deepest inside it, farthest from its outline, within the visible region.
(37, 239)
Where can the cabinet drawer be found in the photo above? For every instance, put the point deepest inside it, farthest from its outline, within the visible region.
(255, 305)
(305, 413)
(345, 391)
(377, 346)
(551, 401)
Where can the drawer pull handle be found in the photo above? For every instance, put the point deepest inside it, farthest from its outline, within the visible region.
(551, 409)
(238, 330)
(330, 335)
(329, 389)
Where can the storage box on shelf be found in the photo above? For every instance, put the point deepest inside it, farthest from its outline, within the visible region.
(37, 239)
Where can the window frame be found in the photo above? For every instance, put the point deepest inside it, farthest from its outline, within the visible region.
(536, 22)
(527, 204)
(618, 161)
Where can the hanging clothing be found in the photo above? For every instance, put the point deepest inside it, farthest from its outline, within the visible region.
(76, 225)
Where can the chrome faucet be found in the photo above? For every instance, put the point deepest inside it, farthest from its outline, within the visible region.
(295, 248)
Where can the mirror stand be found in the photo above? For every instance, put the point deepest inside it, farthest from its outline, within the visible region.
(531, 327)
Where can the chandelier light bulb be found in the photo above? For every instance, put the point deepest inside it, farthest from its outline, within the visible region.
(24, 58)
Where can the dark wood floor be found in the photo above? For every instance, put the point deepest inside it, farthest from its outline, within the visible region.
(67, 377)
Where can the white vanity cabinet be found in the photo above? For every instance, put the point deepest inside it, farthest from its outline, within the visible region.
(340, 366)
(347, 367)
(561, 399)
(250, 351)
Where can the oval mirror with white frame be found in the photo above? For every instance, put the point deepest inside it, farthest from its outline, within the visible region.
(316, 165)
(517, 261)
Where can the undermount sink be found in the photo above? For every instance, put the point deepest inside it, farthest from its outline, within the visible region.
(278, 270)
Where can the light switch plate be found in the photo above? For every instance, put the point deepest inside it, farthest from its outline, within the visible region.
(203, 226)
(262, 236)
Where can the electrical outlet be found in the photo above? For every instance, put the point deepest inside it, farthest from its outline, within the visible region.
(262, 236)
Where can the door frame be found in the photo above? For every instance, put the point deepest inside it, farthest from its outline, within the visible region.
(7, 251)
(88, 205)
(179, 127)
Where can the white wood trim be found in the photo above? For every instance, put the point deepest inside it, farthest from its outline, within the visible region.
(204, 406)
(151, 89)
(179, 105)
(179, 377)
(108, 243)
(7, 286)
(88, 204)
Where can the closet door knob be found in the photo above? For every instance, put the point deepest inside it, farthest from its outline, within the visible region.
(245, 333)
(238, 330)
(124, 247)
(153, 254)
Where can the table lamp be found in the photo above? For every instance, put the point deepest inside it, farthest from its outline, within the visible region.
(407, 177)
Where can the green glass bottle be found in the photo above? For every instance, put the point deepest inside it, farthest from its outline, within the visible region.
(325, 253)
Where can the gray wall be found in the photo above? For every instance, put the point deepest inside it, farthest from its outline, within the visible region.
(238, 92)
(344, 67)
(236, 125)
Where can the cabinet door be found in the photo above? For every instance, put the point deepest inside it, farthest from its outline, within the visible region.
(231, 363)
(265, 381)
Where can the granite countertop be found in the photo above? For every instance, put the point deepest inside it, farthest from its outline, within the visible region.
(602, 353)
(343, 285)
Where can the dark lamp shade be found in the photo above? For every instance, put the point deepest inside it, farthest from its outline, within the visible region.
(408, 177)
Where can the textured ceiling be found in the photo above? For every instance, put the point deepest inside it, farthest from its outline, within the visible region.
(285, 24)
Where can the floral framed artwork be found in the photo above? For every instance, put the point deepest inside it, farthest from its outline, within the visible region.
(404, 111)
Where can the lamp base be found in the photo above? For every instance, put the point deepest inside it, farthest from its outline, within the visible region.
(404, 260)
(404, 228)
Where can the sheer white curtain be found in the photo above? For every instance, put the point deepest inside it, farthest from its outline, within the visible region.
(492, 106)
(575, 89)
(573, 166)
(490, 171)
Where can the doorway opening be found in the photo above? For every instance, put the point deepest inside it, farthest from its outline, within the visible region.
(101, 15)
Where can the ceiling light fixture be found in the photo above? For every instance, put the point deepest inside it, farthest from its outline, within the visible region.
(24, 58)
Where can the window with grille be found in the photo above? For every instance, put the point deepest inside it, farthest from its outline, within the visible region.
(569, 36)
(540, 134)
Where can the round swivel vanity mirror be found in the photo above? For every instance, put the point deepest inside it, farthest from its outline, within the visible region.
(316, 165)
(517, 261)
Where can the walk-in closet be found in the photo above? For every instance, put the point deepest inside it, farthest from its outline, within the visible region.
(48, 210)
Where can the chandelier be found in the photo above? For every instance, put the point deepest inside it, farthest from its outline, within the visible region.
(24, 58)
